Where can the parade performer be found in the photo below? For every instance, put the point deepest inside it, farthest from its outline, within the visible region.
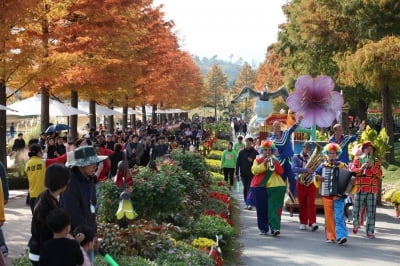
(269, 190)
(344, 140)
(306, 190)
(284, 145)
(368, 169)
(335, 225)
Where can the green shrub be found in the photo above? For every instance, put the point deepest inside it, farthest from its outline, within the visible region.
(185, 177)
(18, 182)
(156, 195)
(143, 238)
(184, 255)
(220, 145)
(213, 156)
(221, 189)
(108, 200)
(214, 205)
(210, 226)
(195, 164)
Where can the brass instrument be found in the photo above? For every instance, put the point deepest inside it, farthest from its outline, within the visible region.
(271, 164)
(315, 160)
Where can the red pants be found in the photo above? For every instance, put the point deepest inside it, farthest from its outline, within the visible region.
(307, 209)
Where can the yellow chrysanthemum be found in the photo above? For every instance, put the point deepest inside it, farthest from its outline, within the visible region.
(388, 195)
(396, 198)
(202, 242)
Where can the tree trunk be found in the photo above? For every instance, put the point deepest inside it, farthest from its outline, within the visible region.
(73, 121)
(44, 117)
(124, 117)
(144, 118)
(362, 109)
(387, 119)
(110, 118)
(133, 121)
(154, 115)
(3, 123)
(92, 112)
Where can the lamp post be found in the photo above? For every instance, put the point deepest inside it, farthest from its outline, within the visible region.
(345, 118)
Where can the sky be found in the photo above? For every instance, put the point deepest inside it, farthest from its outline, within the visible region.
(242, 28)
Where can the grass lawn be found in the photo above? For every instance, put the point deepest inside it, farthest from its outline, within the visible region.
(392, 172)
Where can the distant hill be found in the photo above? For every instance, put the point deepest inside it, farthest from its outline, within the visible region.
(231, 69)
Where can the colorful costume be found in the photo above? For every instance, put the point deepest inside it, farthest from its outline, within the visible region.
(269, 190)
(335, 225)
(305, 194)
(284, 146)
(366, 188)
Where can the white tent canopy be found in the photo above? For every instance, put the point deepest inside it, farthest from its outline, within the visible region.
(100, 110)
(131, 111)
(32, 106)
(2, 107)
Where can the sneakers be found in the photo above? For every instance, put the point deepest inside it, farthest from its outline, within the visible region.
(4, 250)
(302, 227)
(248, 207)
(275, 233)
(355, 230)
(263, 233)
(330, 241)
(314, 227)
(342, 240)
(370, 236)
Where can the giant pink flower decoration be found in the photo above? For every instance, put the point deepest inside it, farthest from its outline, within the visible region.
(315, 100)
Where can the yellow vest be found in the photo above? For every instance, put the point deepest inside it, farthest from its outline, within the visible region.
(35, 170)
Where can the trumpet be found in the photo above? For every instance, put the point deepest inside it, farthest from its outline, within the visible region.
(271, 164)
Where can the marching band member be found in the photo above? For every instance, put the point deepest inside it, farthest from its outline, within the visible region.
(306, 193)
(335, 225)
(269, 189)
(344, 140)
(368, 169)
(283, 143)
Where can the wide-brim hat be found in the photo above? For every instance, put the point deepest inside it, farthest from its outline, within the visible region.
(83, 156)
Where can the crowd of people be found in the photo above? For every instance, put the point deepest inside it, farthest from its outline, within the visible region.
(63, 176)
(270, 169)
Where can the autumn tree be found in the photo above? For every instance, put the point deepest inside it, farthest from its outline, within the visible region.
(215, 87)
(308, 43)
(246, 78)
(17, 56)
(376, 66)
(270, 74)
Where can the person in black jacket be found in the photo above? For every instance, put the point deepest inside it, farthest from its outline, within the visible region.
(243, 166)
(19, 143)
(79, 200)
(56, 180)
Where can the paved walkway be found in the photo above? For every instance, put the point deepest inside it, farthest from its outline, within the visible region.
(296, 247)
(292, 247)
(17, 229)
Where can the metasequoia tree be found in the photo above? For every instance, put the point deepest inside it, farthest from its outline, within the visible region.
(17, 56)
(215, 87)
(245, 78)
(270, 73)
(376, 65)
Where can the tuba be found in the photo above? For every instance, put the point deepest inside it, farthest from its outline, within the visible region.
(315, 160)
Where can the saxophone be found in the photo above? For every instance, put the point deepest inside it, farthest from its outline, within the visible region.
(316, 158)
